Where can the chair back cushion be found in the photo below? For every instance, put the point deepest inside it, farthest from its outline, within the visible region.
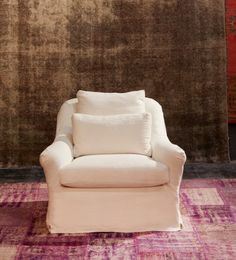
(99, 103)
(116, 134)
(69, 107)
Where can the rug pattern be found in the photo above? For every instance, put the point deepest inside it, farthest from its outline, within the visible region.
(209, 214)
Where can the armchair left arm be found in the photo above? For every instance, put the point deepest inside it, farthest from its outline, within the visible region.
(55, 156)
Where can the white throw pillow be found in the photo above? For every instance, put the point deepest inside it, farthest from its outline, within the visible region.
(99, 103)
(127, 133)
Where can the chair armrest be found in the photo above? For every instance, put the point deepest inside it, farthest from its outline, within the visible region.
(174, 157)
(168, 151)
(55, 156)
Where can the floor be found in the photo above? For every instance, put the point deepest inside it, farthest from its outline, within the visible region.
(209, 221)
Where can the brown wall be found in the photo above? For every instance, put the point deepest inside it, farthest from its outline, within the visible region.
(174, 49)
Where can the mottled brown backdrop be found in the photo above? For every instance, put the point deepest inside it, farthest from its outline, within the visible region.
(174, 49)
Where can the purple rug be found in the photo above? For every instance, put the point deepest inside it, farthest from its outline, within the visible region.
(209, 214)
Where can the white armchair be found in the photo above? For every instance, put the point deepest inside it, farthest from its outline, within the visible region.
(153, 206)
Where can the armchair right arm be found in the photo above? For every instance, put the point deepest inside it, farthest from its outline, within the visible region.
(174, 157)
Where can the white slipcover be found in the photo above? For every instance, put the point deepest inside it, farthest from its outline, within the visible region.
(125, 133)
(114, 170)
(74, 210)
(102, 103)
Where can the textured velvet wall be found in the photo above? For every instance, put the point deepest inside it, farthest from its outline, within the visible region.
(231, 54)
(174, 49)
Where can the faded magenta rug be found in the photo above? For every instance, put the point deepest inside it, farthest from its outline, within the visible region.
(209, 214)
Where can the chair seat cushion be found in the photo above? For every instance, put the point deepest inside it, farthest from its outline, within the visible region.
(114, 170)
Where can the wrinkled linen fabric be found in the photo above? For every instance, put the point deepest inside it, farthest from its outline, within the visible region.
(100, 103)
(124, 133)
(75, 210)
(114, 170)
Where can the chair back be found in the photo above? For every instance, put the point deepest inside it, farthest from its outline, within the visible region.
(64, 122)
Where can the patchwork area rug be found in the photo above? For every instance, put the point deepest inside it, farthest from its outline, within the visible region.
(209, 214)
